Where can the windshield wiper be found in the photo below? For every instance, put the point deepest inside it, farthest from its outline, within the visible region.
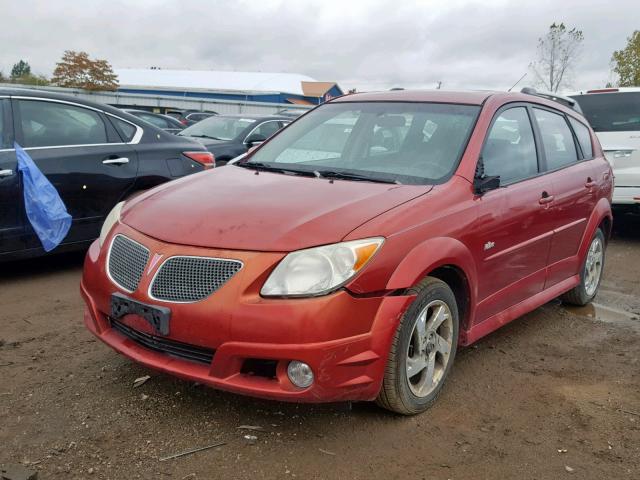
(352, 176)
(272, 168)
(202, 136)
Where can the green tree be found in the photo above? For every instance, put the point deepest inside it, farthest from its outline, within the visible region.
(626, 62)
(557, 52)
(77, 70)
(20, 69)
(32, 79)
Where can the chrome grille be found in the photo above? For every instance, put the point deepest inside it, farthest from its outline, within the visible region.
(127, 260)
(189, 279)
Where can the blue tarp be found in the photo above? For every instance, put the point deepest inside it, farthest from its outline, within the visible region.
(44, 207)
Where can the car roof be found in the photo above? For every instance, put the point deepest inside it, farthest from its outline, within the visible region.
(471, 97)
(254, 117)
(45, 94)
(595, 91)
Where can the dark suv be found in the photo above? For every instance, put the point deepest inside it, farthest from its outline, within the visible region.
(94, 155)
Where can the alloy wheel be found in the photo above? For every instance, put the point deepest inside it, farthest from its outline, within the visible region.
(429, 349)
(593, 266)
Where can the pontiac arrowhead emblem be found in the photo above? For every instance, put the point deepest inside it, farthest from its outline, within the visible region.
(154, 261)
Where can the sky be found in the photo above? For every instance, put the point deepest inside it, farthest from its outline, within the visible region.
(368, 45)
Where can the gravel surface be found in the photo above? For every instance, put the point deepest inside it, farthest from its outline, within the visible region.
(555, 394)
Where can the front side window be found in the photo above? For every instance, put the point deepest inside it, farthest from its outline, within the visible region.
(584, 137)
(218, 128)
(267, 129)
(510, 149)
(49, 124)
(419, 143)
(559, 146)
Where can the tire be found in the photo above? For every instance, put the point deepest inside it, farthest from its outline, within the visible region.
(406, 393)
(586, 291)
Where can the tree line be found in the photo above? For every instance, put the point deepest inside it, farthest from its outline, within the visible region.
(557, 54)
(74, 70)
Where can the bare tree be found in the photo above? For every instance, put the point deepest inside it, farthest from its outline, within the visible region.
(557, 52)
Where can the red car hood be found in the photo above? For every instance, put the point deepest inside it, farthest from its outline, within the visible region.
(235, 208)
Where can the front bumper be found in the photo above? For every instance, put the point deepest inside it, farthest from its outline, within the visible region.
(345, 339)
(626, 196)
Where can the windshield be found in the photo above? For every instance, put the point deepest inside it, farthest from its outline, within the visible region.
(612, 112)
(218, 128)
(414, 143)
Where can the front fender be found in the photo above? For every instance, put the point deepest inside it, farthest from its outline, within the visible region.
(431, 254)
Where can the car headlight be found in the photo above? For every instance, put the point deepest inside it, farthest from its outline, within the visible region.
(320, 270)
(110, 221)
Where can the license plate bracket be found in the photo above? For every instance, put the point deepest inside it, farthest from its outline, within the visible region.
(158, 317)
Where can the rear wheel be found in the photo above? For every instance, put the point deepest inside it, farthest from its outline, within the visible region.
(591, 273)
(422, 351)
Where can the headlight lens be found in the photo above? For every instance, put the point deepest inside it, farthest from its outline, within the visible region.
(320, 270)
(110, 221)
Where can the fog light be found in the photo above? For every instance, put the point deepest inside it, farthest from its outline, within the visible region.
(300, 374)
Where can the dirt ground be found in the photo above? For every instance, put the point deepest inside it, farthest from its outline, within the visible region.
(555, 394)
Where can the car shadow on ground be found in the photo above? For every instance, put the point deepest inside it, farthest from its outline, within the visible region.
(626, 226)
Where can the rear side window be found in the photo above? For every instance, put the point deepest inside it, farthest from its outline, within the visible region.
(510, 149)
(584, 138)
(125, 129)
(559, 146)
(49, 124)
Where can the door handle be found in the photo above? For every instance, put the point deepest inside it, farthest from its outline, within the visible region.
(545, 199)
(115, 161)
(590, 183)
(6, 173)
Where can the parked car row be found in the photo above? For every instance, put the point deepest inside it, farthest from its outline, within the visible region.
(225, 136)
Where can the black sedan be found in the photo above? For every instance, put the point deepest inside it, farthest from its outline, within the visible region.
(93, 154)
(227, 136)
(165, 122)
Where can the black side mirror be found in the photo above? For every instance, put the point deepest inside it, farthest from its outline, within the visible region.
(486, 183)
(254, 140)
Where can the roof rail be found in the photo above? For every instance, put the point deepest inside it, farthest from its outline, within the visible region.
(566, 101)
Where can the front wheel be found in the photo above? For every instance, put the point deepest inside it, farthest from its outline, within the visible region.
(590, 274)
(422, 351)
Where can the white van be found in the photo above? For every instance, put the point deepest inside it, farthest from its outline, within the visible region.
(614, 114)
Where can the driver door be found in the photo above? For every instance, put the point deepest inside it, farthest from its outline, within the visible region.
(11, 205)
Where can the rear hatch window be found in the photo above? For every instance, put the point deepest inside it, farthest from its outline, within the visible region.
(612, 112)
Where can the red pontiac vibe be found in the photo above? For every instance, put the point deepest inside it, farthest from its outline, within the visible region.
(351, 254)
